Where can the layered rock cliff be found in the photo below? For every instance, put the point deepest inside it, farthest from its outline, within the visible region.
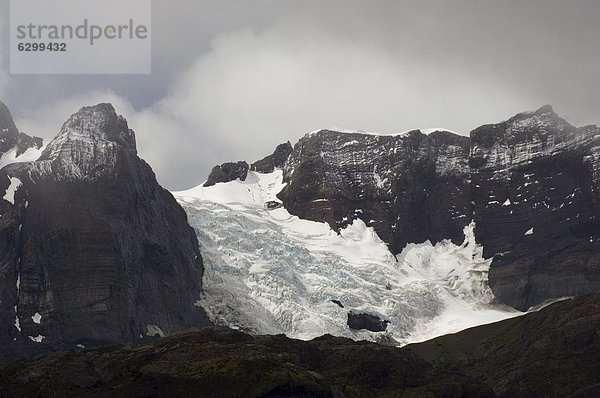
(409, 187)
(92, 249)
(531, 184)
(537, 203)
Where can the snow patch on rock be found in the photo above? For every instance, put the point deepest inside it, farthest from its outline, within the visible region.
(38, 339)
(153, 330)
(9, 195)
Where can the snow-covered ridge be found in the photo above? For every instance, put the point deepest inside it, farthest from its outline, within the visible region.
(267, 271)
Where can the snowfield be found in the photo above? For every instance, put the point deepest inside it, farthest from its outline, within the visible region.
(269, 272)
(30, 155)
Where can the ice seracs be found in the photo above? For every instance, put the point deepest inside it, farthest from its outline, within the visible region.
(270, 272)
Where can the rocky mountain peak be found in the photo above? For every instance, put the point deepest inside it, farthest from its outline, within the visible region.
(524, 137)
(94, 142)
(92, 131)
(92, 248)
(542, 118)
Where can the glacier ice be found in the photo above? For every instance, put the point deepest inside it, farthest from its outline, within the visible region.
(269, 272)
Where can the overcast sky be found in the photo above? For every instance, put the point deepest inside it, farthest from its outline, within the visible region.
(232, 79)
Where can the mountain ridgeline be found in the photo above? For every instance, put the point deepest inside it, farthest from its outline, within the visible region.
(531, 183)
(92, 249)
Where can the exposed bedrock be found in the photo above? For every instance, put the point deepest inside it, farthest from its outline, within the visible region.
(93, 250)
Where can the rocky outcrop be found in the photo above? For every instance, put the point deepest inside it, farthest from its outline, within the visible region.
(93, 250)
(24, 142)
(409, 187)
(227, 172)
(232, 171)
(275, 160)
(358, 320)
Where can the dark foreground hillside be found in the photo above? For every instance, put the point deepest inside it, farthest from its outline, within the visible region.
(555, 352)
(551, 353)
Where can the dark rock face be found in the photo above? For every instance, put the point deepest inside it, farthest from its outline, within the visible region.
(227, 172)
(272, 205)
(11, 138)
(531, 183)
(93, 250)
(364, 321)
(536, 183)
(273, 161)
(409, 188)
(338, 303)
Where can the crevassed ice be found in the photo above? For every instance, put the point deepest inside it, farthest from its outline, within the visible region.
(271, 272)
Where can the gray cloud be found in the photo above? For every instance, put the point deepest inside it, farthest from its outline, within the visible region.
(233, 79)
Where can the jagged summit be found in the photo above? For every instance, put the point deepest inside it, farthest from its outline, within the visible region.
(92, 129)
(93, 143)
(542, 125)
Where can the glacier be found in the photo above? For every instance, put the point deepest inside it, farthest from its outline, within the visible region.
(268, 272)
